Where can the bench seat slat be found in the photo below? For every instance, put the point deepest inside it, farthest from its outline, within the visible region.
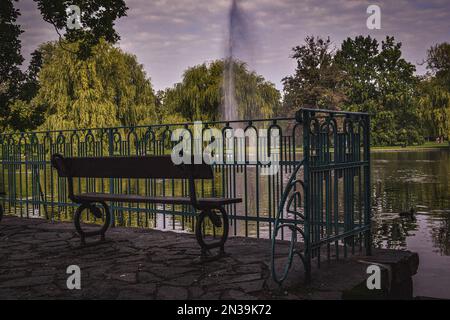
(93, 197)
(131, 167)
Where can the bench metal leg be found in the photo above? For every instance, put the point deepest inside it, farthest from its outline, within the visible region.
(211, 229)
(106, 218)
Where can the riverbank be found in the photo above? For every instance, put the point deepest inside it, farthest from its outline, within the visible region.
(429, 146)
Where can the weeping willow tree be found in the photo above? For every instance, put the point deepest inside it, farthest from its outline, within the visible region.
(109, 88)
(435, 92)
(200, 94)
(435, 109)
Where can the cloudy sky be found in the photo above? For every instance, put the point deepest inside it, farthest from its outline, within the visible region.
(168, 36)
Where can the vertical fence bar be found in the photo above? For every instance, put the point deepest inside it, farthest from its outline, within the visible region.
(368, 204)
(111, 180)
(305, 119)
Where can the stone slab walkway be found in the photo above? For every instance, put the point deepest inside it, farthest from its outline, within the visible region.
(149, 264)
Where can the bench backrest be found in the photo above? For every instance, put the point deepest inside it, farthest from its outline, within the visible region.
(139, 167)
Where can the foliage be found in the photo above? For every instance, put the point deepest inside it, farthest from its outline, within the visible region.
(109, 88)
(438, 61)
(30, 85)
(357, 60)
(23, 116)
(200, 94)
(97, 19)
(378, 80)
(363, 75)
(435, 92)
(435, 108)
(10, 59)
(315, 82)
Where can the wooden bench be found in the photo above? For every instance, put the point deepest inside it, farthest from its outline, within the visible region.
(212, 211)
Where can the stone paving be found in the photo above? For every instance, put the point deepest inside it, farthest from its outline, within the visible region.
(148, 264)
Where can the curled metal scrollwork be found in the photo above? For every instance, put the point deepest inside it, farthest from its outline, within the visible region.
(292, 202)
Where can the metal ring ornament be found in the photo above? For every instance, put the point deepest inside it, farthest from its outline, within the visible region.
(98, 215)
(219, 221)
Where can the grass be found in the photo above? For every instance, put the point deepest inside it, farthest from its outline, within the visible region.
(427, 145)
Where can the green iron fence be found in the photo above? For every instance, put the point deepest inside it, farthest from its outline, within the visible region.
(33, 188)
(328, 193)
(325, 154)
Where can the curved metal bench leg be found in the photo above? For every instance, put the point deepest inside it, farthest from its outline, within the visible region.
(97, 213)
(217, 221)
(226, 228)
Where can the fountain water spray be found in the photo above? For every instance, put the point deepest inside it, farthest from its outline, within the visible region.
(238, 41)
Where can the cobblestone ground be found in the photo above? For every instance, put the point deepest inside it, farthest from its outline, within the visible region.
(131, 264)
(147, 264)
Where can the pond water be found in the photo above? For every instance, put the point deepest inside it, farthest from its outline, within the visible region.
(418, 180)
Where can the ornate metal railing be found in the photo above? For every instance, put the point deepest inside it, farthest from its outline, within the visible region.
(33, 188)
(328, 194)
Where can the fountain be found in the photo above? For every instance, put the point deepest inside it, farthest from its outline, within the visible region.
(237, 42)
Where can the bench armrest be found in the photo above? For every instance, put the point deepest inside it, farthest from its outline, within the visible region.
(192, 193)
(58, 162)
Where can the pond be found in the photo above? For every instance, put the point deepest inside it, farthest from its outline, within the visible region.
(402, 181)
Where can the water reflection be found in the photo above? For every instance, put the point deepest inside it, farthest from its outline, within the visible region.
(418, 180)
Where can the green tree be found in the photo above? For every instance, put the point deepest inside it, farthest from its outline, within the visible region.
(357, 61)
(438, 61)
(315, 83)
(10, 59)
(435, 108)
(24, 116)
(435, 92)
(200, 94)
(30, 85)
(378, 80)
(97, 18)
(110, 88)
(256, 97)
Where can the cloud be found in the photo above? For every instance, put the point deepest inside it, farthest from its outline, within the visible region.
(36, 31)
(170, 35)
